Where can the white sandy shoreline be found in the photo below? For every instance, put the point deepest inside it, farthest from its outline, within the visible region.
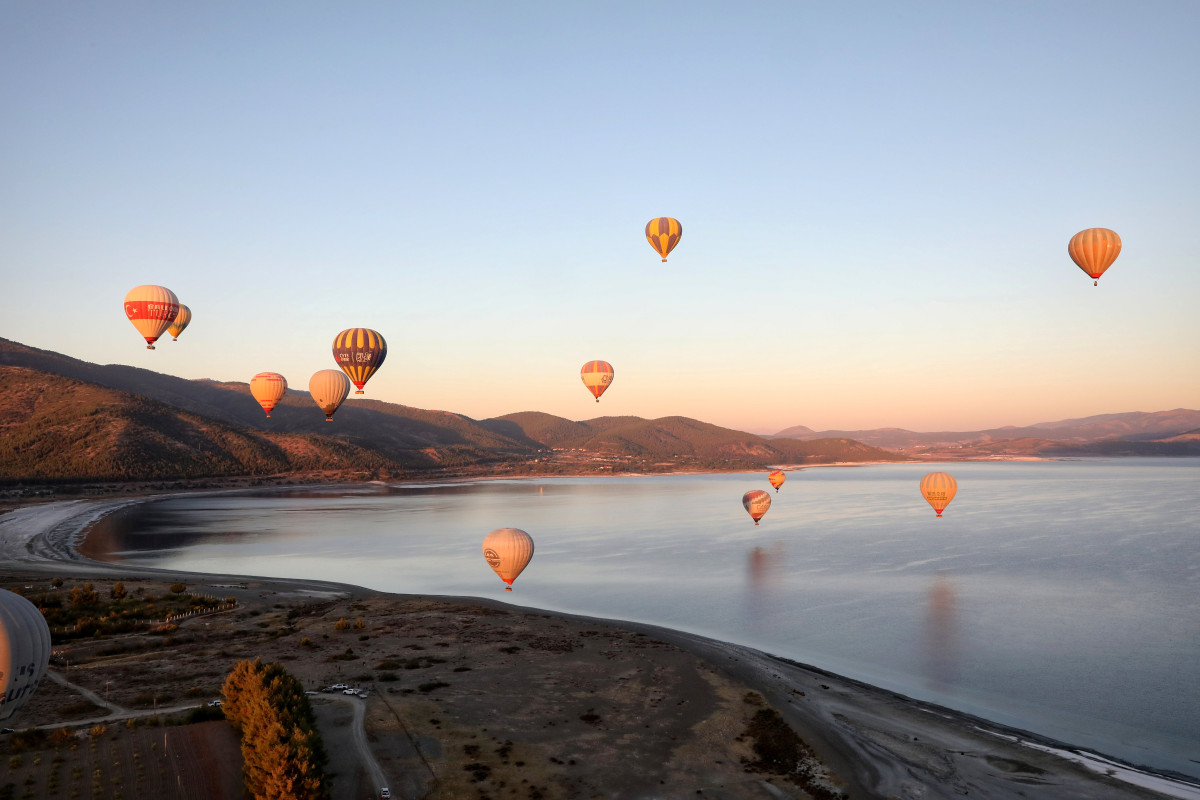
(891, 745)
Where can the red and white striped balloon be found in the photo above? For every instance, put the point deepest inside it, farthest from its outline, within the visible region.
(268, 389)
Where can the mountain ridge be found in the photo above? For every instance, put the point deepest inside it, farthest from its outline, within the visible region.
(1124, 426)
(128, 423)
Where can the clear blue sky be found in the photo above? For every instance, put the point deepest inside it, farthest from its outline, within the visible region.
(876, 201)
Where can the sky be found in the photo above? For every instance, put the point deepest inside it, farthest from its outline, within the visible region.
(876, 200)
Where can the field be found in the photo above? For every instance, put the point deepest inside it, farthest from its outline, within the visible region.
(115, 762)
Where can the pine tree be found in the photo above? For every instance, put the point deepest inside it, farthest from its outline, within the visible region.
(281, 747)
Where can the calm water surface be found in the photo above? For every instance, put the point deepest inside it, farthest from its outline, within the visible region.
(1058, 597)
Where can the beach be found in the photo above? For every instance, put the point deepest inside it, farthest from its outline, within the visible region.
(556, 705)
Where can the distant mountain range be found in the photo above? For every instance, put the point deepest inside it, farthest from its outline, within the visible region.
(1174, 432)
(62, 419)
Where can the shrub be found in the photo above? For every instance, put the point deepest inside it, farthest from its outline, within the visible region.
(178, 588)
(429, 687)
(341, 624)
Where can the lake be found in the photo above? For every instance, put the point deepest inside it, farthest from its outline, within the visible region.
(1059, 597)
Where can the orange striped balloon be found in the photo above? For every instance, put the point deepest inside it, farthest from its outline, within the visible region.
(663, 234)
(182, 320)
(756, 502)
(151, 309)
(597, 375)
(1094, 251)
(268, 389)
(328, 388)
(939, 489)
(359, 352)
(776, 477)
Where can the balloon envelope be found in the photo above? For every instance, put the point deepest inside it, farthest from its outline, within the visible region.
(1094, 251)
(151, 309)
(939, 489)
(182, 319)
(507, 551)
(268, 388)
(776, 477)
(24, 651)
(663, 234)
(756, 503)
(597, 375)
(359, 352)
(328, 388)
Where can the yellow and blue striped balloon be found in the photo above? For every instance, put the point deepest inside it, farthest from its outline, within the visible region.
(359, 352)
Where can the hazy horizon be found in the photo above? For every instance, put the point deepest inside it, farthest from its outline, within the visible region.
(876, 202)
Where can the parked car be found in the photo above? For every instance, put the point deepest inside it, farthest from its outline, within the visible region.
(384, 794)
(339, 686)
(215, 704)
(350, 691)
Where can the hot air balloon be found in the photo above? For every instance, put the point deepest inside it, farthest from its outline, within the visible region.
(776, 477)
(151, 309)
(939, 489)
(1094, 250)
(328, 388)
(597, 375)
(268, 388)
(756, 502)
(507, 551)
(182, 319)
(359, 352)
(663, 234)
(24, 651)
